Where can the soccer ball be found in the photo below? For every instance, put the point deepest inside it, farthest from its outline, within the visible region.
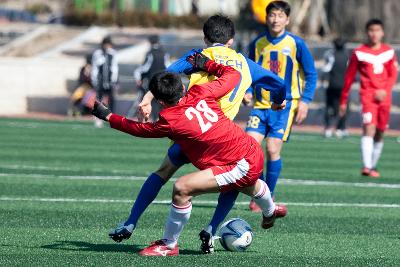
(235, 235)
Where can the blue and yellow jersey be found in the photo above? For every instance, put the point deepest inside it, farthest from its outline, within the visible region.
(289, 58)
(251, 75)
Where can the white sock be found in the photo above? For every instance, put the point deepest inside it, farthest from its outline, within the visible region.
(177, 219)
(367, 146)
(376, 154)
(264, 200)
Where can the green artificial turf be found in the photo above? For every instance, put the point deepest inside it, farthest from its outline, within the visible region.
(63, 185)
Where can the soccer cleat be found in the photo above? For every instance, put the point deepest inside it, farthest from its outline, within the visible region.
(254, 207)
(159, 248)
(374, 173)
(207, 242)
(365, 171)
(122, 232)
(279, 212)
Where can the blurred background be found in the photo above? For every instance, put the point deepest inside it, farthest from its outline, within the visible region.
(44, 45)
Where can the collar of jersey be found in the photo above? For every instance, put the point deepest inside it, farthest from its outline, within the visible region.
(217, 44)
(275, 40)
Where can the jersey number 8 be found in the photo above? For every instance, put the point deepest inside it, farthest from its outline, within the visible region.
(202, 109)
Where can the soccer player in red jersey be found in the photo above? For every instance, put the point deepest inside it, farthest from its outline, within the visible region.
(227, 157)
(377, 65)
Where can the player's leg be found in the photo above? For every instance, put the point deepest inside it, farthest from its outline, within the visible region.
(262, 196)
(226, 200)
(280, 127)
(329, 113)
(239, 176)
(149, 191)
(256, 128)
(369, 118)
(382, 123)
(184, 189)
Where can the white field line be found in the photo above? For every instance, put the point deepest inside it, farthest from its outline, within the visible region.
(336, 183)
(49, 124)
(142, 178)
(197, 202)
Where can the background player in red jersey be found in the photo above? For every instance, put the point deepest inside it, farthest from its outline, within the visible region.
(377, 65)
(227, 157)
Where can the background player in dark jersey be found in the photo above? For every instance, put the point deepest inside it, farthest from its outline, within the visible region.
(334, 69)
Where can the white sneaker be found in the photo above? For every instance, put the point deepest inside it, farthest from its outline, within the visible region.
(341, 133)
(328, 133)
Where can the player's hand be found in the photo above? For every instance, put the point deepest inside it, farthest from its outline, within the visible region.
(302, 112)
(342, 110)
(101, 111)
(380, 95)
(278, 107)
(248, 97)
(144, 111)
(198, 60)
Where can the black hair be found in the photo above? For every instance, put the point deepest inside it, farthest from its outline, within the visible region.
(154, 39)
(219, 29)
(107, 40)
(279, 5)
(339, 43)
(374, 22)
(167, 87)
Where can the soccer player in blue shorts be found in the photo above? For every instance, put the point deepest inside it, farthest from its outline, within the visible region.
(218, 35)
(286, 55)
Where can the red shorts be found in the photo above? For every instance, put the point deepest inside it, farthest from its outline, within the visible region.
(376, 114)
(243, 173)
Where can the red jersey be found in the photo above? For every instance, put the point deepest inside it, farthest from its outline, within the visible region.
(378, 70)
(206, 136)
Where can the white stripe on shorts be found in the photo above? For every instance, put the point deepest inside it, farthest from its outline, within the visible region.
(238, 172)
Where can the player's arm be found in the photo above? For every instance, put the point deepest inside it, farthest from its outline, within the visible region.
(304, 57)
(114, 69)
(179, 66)
(392, 73)
(228, 77)
(146, 130)
(349, 77)
(137, 74)
(182, 65)
(306, 61)
(268, 80)
(95, 69)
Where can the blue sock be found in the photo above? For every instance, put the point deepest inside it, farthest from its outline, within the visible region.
(147, 194)
(273, 171)
(226, 201)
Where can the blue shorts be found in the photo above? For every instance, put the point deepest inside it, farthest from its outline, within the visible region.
(176, 156)
(269, 123)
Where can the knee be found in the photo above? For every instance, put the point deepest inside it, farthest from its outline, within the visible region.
(378, 136)
(181, 190)
(370, 130)
(273, 151)
(181, 193)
